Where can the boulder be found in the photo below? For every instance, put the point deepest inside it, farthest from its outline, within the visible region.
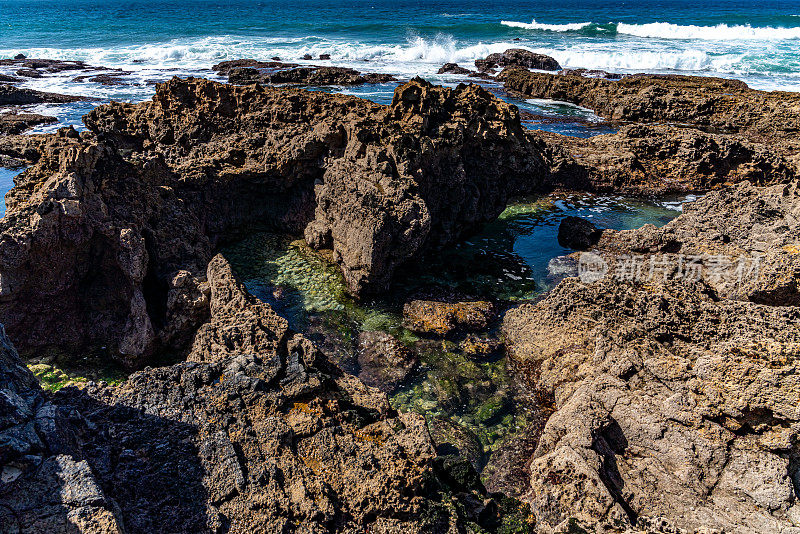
(577, 233)
(517, 57)
(443, 318)
(453, 68)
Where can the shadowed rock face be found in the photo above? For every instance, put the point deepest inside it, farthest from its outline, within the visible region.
(676, 400)
(45, 483)
(262, 435)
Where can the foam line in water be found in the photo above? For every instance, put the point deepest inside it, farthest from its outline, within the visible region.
(667, 30)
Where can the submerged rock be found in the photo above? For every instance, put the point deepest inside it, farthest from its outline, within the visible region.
(443, 318)
(577, 233)
(517, 57)
(385, 362)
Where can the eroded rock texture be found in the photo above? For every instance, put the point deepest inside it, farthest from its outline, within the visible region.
(263, 435)
(114, 231)
(658, 159)
(676, 397)
(697, 100)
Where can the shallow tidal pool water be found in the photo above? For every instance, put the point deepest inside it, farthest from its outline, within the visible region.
(512, 259)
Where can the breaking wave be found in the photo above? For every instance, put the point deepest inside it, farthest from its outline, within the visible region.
(667, 30)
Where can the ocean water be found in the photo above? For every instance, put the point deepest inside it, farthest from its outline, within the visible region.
(758, 41)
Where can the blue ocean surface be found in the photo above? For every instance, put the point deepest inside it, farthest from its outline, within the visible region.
(758, 41)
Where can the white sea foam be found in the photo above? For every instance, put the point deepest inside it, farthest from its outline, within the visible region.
(546, 27)
(720, 32)
(667, 30)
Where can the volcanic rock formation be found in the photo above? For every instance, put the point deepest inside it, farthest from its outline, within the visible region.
(106, 238)
(264, 435)
(676, 397)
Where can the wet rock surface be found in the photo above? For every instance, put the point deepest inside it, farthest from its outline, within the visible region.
(443, 318)
(247, 71)
(384, 361)
(517, 57)
(453, 68)
(577, 233)
(307, 76)
(16, 123)
(17, 96)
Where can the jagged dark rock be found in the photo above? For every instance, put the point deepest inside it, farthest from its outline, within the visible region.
(132, 235)
(517, 57)
(453, 68)
(306, 76)
(265, 435)
(715, 103)
(655, 159)
(16, 123)
(16, 96)
(577, 233)
(223, 68)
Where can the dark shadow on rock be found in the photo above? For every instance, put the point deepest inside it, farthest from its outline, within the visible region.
(148, 465)
(609, 442)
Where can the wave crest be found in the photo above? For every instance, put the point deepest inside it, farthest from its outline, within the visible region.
(667, 30)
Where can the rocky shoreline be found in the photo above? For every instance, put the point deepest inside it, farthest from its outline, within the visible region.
(668, 404)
